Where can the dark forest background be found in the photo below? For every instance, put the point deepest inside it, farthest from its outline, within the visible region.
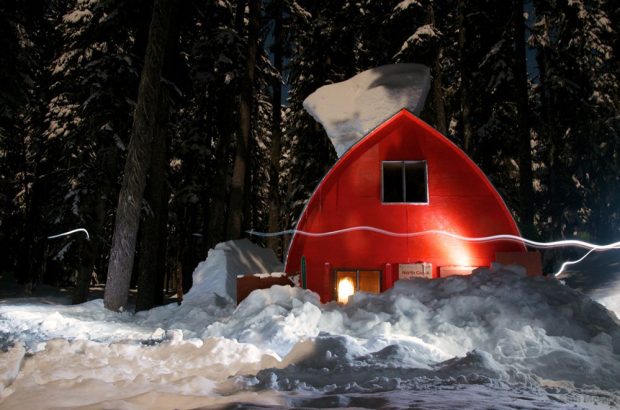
(210, 95)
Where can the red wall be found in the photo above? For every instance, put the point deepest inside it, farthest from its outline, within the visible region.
(461, 201)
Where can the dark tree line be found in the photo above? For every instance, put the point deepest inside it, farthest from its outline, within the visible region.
(192, 113)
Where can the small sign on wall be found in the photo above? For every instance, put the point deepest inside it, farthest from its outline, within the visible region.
(415, 270)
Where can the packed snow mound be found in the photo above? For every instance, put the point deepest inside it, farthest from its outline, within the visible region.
(351, 109)
(598, 276)
(275, 318)
(217, 275)
(496, 323)
(496, 337)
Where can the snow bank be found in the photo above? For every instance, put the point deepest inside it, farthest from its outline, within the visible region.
(351, 109)
(496, 337)
(611, 302)
(494, 325)
(217, 275)
(275, 319)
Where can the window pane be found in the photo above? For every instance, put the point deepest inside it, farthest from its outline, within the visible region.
(342, 274)
(346, 285)
(370, 281)
(415, 182)
(393, 182)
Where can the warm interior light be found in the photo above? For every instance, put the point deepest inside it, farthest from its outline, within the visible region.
(445, 271)
(346, 288)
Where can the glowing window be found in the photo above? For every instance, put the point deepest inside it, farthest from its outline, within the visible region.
(347, 282)
(405, 182)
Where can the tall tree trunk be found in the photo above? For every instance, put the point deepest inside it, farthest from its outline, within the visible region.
(217, 208)
(276, 134)
(85, 270)
(93, 220)
(34, 238)
(438, 98)
(465, 78)
(441, 121)
(239, 17)
(31, 249)
(554, 141)
(526, 190)
(219, 181)
(238, 185)
(138, 161)
(250, 188)
(26, 252)
(152, 264)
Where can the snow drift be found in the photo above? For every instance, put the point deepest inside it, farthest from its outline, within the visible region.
(351, 109)
(218, 273)
(497, 337)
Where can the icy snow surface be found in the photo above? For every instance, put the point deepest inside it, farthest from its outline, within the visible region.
(496, 339)
(351, 109)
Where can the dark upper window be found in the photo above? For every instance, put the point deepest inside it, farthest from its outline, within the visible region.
(405, 182)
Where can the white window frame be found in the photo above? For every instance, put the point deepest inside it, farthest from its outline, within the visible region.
(403, 163)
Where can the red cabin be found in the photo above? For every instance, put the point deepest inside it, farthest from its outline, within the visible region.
(403, 177)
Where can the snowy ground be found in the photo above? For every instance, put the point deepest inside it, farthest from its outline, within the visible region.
(496, 339)
(599, 277)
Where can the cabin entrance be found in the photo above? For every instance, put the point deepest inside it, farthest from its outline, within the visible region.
(349, 281)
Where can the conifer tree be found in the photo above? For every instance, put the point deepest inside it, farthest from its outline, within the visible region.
(521, 86)
(239, 182)
(87, 123)
(275, 200)
(24, 170)
(138, 161)
(578, 95)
